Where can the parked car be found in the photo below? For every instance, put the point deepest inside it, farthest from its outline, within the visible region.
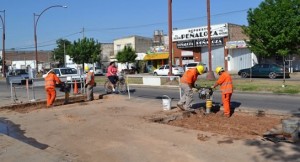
(97, 71)
(18, 76)
(164, 70)
(264, 70)
(69, 73)
(193, 65)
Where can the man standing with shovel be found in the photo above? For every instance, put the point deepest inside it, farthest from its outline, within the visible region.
(188, 86)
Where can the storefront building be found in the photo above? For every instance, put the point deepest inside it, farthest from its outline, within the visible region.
(191, 45)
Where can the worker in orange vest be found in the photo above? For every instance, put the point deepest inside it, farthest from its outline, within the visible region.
(188, 86)
(89, 84)
(226, 88)
(50, 81)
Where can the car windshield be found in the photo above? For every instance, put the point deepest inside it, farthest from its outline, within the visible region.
(68, 71)
(20, 72)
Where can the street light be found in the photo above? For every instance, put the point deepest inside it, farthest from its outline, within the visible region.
(3, 43)
(35, 22)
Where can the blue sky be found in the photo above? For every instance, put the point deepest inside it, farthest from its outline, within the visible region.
(106, 20)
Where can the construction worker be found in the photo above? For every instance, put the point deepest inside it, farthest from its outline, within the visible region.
(89, 84)
(226, 88)
(188, 85)
(50, 81)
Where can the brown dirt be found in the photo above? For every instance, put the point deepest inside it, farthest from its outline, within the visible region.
(28, 107)
(239, 125)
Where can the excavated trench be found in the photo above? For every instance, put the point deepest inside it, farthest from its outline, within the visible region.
(241, 125)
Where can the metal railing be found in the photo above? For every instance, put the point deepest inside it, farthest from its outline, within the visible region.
(33, 90)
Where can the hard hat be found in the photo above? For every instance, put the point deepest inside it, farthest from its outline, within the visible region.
(200, 69)
(219, 69)
(91, 70)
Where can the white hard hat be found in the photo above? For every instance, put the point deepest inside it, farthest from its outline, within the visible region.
(91, 70)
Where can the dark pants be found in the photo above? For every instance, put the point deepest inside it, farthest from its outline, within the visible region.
(113, 79)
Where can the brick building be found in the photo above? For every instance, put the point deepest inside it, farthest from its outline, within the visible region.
(21, 59)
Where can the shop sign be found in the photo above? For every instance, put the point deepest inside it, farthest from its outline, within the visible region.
(200, 33)
(199, 43)
(236, 44)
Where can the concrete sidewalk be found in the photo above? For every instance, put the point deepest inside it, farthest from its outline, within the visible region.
(116, 129)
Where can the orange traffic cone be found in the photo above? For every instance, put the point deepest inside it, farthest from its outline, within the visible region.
(75, 88)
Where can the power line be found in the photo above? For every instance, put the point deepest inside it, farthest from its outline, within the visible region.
(165, 22)
(32, 46)
(128, 27)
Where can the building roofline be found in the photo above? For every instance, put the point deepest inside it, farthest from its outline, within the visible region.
(137, 36)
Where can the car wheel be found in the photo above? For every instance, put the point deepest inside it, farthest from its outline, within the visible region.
(244, 75)
(272, 75)
(155, 74)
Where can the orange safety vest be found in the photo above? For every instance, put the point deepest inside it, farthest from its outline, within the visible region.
(190, 76)
(90, 75)
(225, 83)
(50, 81)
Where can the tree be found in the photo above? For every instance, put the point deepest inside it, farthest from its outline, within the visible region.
(85, 50)
(274, 28)
(126, 55)
(59, 52)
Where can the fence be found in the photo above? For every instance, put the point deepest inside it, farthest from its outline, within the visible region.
(153, 81)
(31, 90)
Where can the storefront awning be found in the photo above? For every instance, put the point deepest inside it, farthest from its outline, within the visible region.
(158, 56)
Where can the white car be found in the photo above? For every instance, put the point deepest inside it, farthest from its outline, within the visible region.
(164, 70)
(98, 71)
(193, 65)
(71, 74)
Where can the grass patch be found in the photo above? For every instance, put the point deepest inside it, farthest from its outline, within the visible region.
(244, 85)
(260, 85)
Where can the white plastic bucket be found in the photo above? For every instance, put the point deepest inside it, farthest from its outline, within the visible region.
(166, 102)
(291, 127)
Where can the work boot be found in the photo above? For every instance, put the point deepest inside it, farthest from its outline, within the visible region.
(180, 106)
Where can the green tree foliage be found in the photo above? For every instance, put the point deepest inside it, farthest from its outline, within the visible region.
(126, 55)
(274, 28)
(85, 50)
(58, 53)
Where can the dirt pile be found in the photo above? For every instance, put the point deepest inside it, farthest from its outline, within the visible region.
(239, 125)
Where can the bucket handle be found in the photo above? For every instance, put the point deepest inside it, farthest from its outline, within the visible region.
(165, 96)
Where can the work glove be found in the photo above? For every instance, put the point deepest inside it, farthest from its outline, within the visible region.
(212, 87)
(195, 90)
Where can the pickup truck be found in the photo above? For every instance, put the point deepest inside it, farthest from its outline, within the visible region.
(70, 74)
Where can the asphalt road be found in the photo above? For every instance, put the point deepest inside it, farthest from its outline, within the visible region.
(261, 101)
(286, 103)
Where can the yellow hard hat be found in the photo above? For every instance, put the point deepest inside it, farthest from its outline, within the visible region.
(200, 69)
(219, 69)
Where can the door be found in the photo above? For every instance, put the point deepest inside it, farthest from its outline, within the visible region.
(265, 70)
(165, 70)
(217, 59)
(255, 70)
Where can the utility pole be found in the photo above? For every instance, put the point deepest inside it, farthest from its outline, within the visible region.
(170, 36)
(210, 75)
(3, 44)
(83, 33)
(65, 53)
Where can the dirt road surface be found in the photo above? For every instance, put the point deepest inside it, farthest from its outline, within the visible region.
(116, 129)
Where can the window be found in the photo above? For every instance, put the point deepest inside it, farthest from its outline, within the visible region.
(265, 66)
(128, 45)
(118, 47)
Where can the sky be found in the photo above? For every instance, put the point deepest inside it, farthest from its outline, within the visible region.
(107, 20)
